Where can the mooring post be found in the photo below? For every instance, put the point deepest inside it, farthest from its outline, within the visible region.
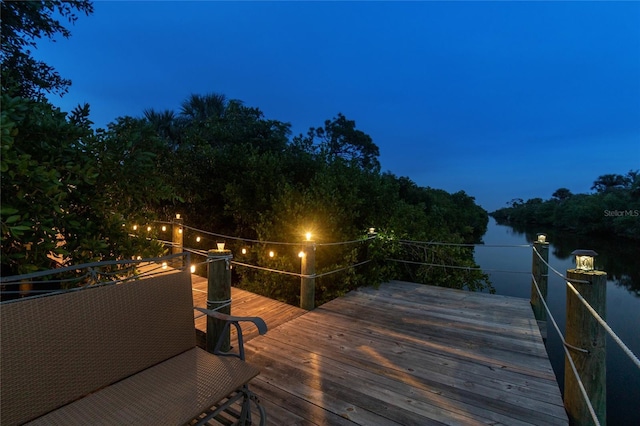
(177, 235)
(587, 340)
(540, 273)
(308, 279)
(218, 295)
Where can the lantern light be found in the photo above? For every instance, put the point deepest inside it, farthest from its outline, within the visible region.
(220, 246)
(372, 230)
(177, 215)
(164, 265)
(542, 238)
(193, 269)
(301, 254)
(308, 236)
(584, 259)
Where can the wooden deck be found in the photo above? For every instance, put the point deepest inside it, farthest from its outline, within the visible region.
(406, 354)
(244, 303)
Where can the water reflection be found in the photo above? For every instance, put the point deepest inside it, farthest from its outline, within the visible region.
(616, 256)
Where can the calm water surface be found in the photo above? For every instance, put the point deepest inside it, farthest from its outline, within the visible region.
(621, 261)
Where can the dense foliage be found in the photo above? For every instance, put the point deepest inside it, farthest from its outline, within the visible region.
(23, 24)
(71, 193)
(241, 175)
(612, 209)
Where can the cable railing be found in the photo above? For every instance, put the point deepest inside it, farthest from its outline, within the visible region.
(93, 274)
(99, 272)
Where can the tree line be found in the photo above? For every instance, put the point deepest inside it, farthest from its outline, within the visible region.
(70, 192)
(613, 208)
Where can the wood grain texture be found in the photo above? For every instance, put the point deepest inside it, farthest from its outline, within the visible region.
(403, 354)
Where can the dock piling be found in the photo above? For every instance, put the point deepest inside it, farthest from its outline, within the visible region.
(218, 296)
(585, 333)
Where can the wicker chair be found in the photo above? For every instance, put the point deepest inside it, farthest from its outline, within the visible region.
(117, 354)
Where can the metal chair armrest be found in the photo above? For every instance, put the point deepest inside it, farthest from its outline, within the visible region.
(235, 321)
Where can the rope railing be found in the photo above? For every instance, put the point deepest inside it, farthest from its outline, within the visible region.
(565, 347)
(469, 268)
(555, 271)
(593, 312)
(606, 327)
(439, 243)
(267, 242)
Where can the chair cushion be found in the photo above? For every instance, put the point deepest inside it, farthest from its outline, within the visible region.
(172, 392)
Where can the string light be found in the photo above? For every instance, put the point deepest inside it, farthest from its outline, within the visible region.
(193, 269)
(148, 229)
(272, 253)
(164, 228)
(197, 239)
(135, 227)
(244, 251)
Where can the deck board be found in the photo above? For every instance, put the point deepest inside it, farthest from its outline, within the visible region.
(403, 354)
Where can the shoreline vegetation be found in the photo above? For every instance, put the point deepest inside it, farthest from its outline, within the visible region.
(613, 209)
(74, 193)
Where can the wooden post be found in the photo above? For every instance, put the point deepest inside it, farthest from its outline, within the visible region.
(218, 295)
(308, 283)
(177, 235)
(583, 331)
(540, 272)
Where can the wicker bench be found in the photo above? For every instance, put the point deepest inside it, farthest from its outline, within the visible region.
(117, 354)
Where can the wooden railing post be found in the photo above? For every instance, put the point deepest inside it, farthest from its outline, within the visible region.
(308, 280)
(177, 235)
(218, 295)
(584, 332)
(540, 272)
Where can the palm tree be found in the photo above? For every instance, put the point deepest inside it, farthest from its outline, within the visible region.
(166, 125)
(203, 107)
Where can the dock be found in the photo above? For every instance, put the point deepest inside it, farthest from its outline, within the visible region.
(402, 354)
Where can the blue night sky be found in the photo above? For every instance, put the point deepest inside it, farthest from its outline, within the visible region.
(500, 99)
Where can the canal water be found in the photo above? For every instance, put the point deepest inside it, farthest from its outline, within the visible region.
(509, 268)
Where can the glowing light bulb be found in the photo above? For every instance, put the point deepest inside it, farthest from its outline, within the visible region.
(135, 227)
(244, 251)
(164, 265)
(271, 253)
(308, 235)
(301, 254)
(180, 231)
(148, 229)
(164, 228)
(193, 269)
(197, 239)
(177, 215)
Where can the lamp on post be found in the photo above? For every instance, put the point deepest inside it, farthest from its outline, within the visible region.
(582, 330)
(542, 238)
(584, 259)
